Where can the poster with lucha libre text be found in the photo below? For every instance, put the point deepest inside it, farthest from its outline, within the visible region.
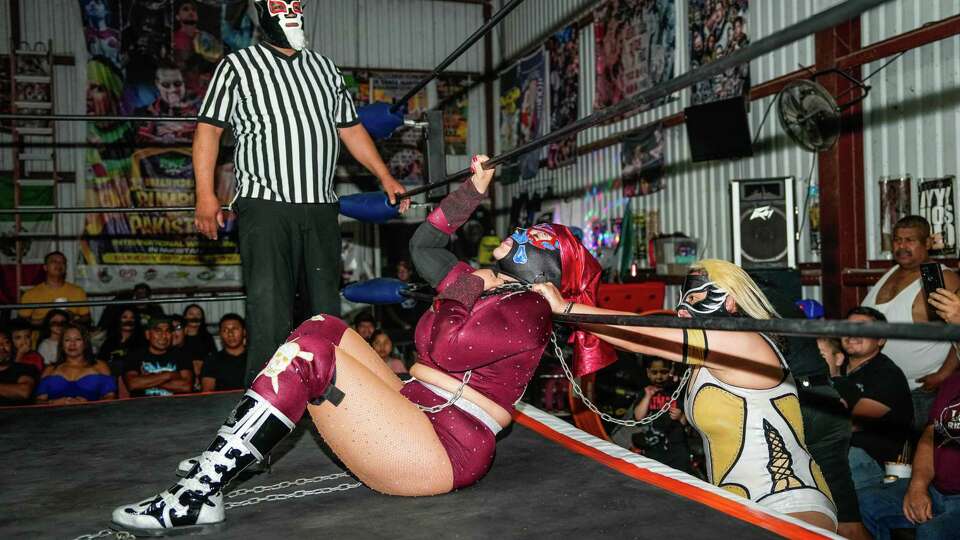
(936, 204)
(153, 58)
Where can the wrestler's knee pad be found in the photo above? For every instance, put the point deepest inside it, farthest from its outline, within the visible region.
(322, 326)
(303, 369)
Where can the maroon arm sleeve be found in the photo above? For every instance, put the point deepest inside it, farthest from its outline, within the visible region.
(455, 209)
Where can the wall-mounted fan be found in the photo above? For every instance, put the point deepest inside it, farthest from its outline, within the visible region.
(810, 115)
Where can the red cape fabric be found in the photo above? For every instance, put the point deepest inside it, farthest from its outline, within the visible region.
(581, 284)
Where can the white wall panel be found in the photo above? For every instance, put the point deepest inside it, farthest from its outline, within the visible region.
(912, 116)
(533, 17)
(400, 34)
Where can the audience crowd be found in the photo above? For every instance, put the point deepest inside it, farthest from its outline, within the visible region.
(882, 417)
(57, 357)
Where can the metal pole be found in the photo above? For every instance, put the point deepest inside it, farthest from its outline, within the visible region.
(91, 303)
(482, 31)
(820, 21)
(99, 210)
(87, 117)
(793, 327)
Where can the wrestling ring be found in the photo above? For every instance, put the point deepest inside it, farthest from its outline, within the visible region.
(550, 478)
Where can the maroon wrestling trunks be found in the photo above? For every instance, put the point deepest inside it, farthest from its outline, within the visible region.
(469, 443)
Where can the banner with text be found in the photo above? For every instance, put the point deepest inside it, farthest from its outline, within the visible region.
(936, 204)
(153, 59)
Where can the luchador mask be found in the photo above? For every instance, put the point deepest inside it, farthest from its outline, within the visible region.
(282, 22)
(711, 305)
(534, 256)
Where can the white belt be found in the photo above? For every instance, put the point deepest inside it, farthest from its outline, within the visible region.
(466, 406)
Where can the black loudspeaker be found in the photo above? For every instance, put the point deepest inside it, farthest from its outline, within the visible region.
(764, 217)
(782, 287)
(708, 140)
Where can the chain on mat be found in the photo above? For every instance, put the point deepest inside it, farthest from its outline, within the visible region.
(124, 535)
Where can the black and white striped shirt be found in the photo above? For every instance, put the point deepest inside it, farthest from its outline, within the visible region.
(284, 113)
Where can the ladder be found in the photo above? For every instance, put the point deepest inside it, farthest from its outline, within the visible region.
(35, 171)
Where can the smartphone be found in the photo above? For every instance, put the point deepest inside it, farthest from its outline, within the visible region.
(932, 276)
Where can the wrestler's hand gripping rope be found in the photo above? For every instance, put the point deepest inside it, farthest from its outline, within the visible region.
(628, 423)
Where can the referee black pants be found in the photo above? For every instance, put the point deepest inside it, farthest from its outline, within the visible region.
(277, 240)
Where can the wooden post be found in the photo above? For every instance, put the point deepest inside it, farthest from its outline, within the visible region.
(840, 170)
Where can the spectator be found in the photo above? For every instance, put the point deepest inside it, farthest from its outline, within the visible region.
(157, 370)
(21, 332)
(178, 335)
(826, 420)
(147, 310)
(226, 369)
(875, 392)
(197, 342)
(76, 377)
(55, 288)
(16, 380)
(665, 439)
(402, 318)
(382, 343)
(50, 332)
(899, 296)
(124, 336)
(364, 324)
(929, 501)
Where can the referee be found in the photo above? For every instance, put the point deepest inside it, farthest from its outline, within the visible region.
(289, 110)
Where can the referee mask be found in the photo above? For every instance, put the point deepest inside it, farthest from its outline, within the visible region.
(281, 22)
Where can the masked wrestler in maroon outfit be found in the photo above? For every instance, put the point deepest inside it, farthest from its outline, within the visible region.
(479, 347)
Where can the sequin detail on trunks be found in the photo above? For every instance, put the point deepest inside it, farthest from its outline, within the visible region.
(469, 443)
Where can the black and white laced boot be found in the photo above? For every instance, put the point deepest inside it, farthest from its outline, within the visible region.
(195, 503)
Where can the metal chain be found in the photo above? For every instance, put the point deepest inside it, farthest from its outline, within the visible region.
(256, 490)
(453, 399)
(294, 495)
(118, 535)
(124, 535)
(629, 423)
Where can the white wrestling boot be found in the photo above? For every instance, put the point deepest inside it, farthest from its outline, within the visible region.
(183, 468)
(195, 503)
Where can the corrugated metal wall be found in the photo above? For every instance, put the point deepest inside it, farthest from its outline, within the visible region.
(528, 21)
(912, 116)
(696, 200)
(398, 34)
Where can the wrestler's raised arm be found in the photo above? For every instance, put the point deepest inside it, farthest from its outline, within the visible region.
(428, 246)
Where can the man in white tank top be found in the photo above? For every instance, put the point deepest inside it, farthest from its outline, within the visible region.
(899, 295)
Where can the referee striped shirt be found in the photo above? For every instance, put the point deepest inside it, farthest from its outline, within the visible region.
(284, 113)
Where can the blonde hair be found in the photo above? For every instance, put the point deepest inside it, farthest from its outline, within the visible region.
(733, 279)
